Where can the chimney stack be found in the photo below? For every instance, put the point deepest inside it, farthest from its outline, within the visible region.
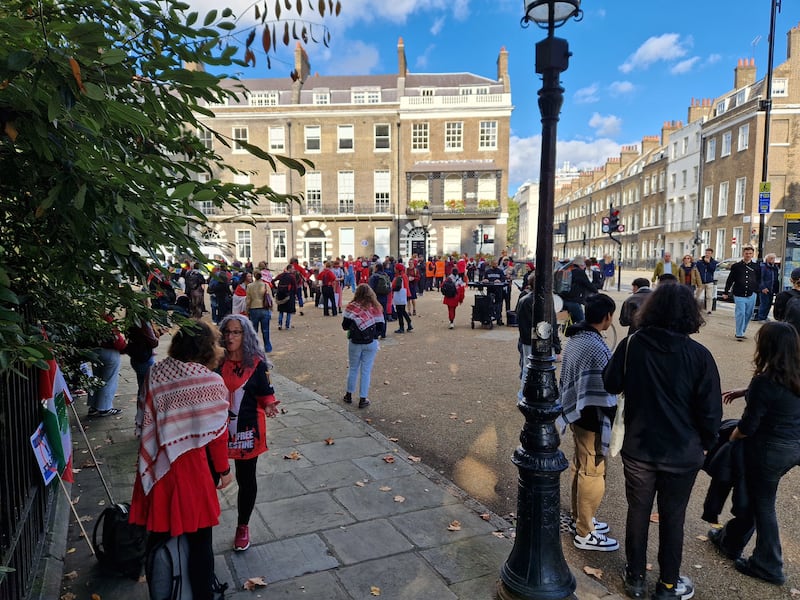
(744, 73)
(699, 109)
(502, 70)
(402, 65)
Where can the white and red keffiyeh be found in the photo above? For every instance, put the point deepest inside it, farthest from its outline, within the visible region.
(363, 316)
(186, 407)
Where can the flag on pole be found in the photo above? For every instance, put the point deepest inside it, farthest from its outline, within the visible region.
(55, 398)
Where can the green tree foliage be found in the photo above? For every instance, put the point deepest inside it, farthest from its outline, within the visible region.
(100, 156)
(512, 228)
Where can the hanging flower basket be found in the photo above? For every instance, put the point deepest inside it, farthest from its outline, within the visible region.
(488, 205)
(455, 205)
(416, 205)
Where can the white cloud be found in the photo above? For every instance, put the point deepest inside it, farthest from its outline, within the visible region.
(713, 59)
(421, 61)
(355, 57)
(608, 125)
(587, 95)
(525, 156)
(666, 47)
(437, 25)
(684, 66)
(621, 88)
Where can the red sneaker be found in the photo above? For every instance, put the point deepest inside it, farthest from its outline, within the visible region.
(242, 540)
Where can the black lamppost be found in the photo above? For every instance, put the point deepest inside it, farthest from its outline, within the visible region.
(267, 234)
(536, 568)
(425, 217)
(766, 106)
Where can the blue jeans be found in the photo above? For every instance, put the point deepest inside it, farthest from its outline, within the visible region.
(108, 371)
(743, 312)
(383, 301)
(288, 319)
(575, 310)
(299, 295)
(360, 358)
(141, 369)
(764, 304)
(766, 462)
(262, 316)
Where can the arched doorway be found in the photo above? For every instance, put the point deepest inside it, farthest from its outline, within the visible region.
(315, 246)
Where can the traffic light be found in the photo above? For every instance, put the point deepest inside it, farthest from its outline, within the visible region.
(613, 221)
(606, 224)
(485, 238)
(475, 238)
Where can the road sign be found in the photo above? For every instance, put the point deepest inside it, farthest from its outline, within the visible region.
(764, 187)
(620, 228)
(763, 202)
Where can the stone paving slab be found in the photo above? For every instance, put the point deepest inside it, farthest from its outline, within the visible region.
(283, 559)
(366, 541)
(330, 476)
(428, 528)
(303, 514)
(405, 577)
(353, 447)
(469, 558)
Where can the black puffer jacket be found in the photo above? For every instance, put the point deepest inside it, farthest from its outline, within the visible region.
(673, 401)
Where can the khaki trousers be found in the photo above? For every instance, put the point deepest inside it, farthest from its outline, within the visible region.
(588, 478)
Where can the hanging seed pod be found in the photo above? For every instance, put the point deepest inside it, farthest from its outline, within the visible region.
(321, 8)
(258, 12)
(338, 7)
(286, 34)
(304, 35)
(250, 36)
(266, 40)
(277, 9)
(294, 31)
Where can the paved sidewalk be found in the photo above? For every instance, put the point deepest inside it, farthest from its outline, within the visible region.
(332, 520)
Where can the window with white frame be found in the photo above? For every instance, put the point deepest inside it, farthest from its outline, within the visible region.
(705, 236)
(278, 243)
(277, 181)
(741, 190)
(205, 206)
(313, 192)
(453, 135)
(695, 174)
(708, 201)
(453, 189)
(673, 181)
(725, 150)
(346, 192)
(720, 107)
(344, 134)
(646, 184)
(263, 98)
(205, 137)
(277, 138)
(243, 179)
(239, 136)
(684, 177)
(451, 239)
(366, 96)
(674, 153)
(244, 244)
(382, 139)
(487, 187)
(383, 187)
(780, 86)
(685, 145)
(321, 98)
(427, 92)
(347, 241)
(722, 201)
(419, 189)
(744, 137)
(487, 135)
(383, 239)
(736, 234)
(711, 149)
(741, 96)
(419, 137)
(720, 245)
(313, 138)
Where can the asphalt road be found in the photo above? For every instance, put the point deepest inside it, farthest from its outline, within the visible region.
(449, 397)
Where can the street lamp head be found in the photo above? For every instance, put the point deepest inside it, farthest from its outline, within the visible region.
(549, 14)
(425, 216)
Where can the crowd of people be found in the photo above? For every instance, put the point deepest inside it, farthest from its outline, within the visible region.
(208, 402)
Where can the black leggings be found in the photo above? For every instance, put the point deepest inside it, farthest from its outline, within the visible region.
(248, 488)
(402, 314)
(200, 561)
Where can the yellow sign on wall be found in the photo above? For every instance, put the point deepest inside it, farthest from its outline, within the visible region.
(764, 187)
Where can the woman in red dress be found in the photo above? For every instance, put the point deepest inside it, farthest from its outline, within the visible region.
(251, 399)
(185, 414)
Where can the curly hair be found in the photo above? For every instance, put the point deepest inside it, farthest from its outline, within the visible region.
(250, 348)
(198, 342)
(777, 351)
(365, 296)
(673, 307)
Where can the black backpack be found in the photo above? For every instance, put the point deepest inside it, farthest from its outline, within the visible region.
(122, 546)
(449, 288)
(792, 312)
(382, 285)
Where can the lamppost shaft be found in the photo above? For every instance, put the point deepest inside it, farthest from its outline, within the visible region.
(536, 568)
(767, 104)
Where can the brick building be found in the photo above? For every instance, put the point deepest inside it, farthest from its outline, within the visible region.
(383, 146)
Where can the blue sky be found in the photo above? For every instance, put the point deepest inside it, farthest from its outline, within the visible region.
(635, 63)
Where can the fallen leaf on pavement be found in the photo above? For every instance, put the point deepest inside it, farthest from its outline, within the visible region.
(76, 470)
(329, 441)
(702, 538)
(71, 575)
(469, 421)
(368, 420)
(486, 516)
(414, 458)
(254, 582)
(283, 411)
(76, 499)
(794, 592)
(648, 567)
(394, 439)
(385, 383)
(68, 596)
(388, 459)
(385, 488)
(71, 550)
(360, 483)
(498, 534)
(294, 455)
(594, 572)
(654, 518)
(88, 465)
(698, 566)
(374, 590)
(86, 518)
(399, 499)
(454, 526)
(97, 597)
(101, 503)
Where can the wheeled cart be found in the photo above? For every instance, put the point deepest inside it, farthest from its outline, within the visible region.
(483, 310)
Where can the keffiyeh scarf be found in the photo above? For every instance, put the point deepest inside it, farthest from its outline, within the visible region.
(363, 316)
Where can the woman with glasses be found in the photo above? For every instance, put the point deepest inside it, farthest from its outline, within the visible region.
(251, 399)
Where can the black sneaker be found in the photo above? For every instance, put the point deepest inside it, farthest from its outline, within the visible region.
(745, 567)
(363, 403)
(683, 589)
(348, 398)
(635, 585)
(715, 537)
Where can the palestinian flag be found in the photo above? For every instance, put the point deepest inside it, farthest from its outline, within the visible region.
(55, 398)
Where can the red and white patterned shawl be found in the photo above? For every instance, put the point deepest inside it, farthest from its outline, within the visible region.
(186, 407)
(363, 316)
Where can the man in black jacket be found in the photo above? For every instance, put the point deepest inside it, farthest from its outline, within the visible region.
(744, 280)
(581, 287)
(770, 286)
(641, 290)
(706, 266)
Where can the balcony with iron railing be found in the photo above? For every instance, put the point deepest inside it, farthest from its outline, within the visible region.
(456, 208)
(465, 101)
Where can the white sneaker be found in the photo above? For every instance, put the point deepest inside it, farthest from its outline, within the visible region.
(599, 526)
(451, 326)
(595, 541)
